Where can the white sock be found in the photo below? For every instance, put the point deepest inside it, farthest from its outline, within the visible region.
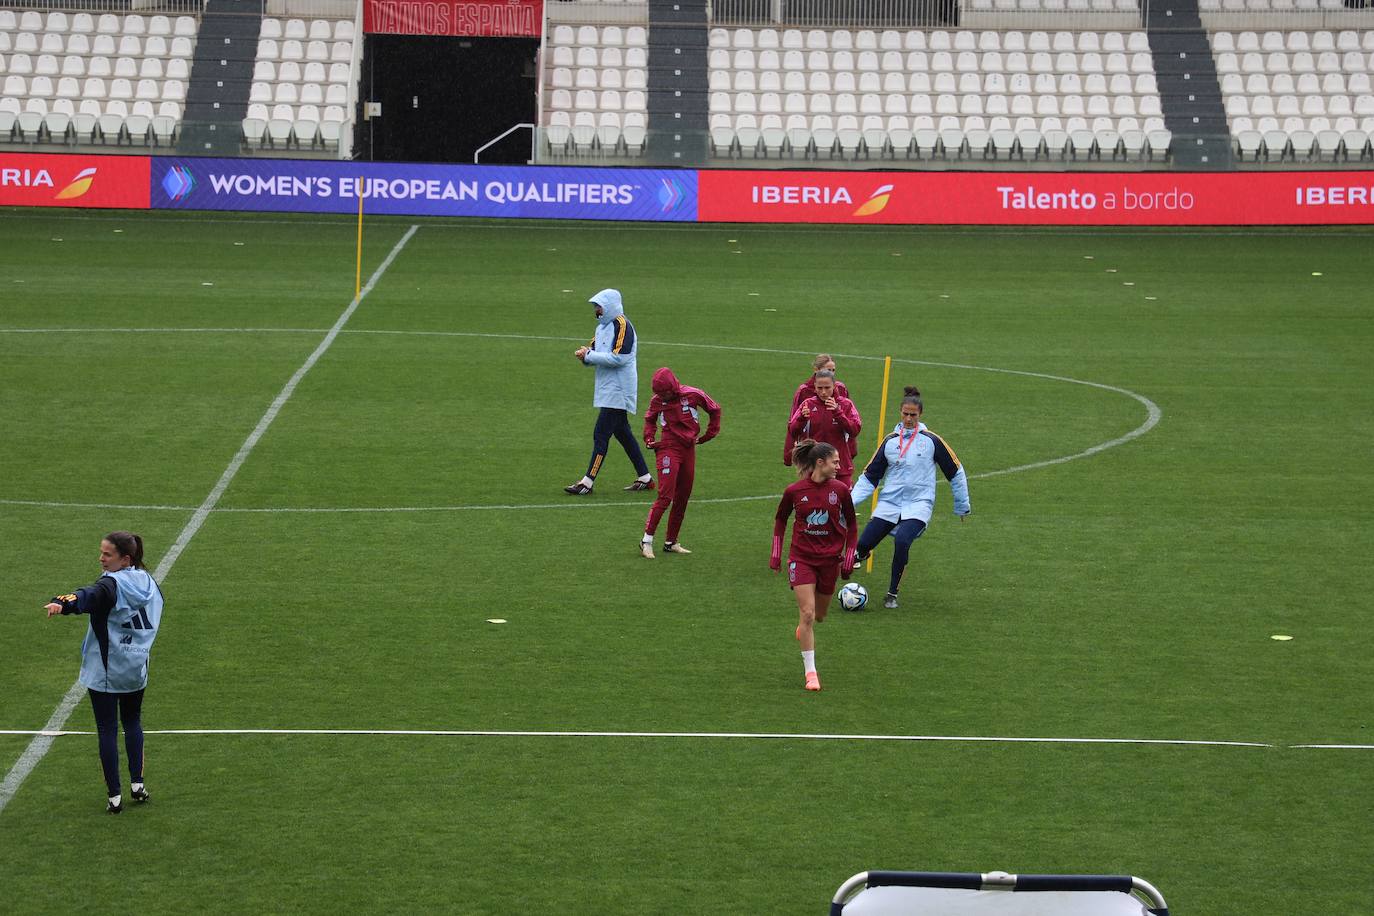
(115, 800)
(809, 660)
(136, 787)
(647, 539)
(587, 482)
(645, 478)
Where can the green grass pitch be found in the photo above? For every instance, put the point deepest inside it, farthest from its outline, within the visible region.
(1128, 593)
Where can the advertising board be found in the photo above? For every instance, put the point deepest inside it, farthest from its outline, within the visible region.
(41, 180)
(1038, 198)
(318, 186)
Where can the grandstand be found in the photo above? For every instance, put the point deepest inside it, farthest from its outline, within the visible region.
(1001, 84)
(1026, 83)
(229, 81)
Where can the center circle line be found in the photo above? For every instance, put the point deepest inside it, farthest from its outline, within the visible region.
(1153, 416)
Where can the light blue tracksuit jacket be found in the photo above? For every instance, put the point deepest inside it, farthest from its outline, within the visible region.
(613, 355)
(905, 465)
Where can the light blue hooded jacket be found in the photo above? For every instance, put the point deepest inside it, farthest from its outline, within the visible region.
(129, 633)
(613, 355)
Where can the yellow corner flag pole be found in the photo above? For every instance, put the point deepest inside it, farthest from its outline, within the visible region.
(358, 274)
(882, 425)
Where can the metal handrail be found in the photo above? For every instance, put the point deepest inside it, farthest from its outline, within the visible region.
(510, 130)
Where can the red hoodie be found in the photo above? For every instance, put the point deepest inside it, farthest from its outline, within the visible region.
(674, 410)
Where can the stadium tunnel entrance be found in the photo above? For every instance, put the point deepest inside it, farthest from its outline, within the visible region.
(442, 98)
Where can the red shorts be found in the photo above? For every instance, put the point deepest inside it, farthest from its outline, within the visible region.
(800, 572)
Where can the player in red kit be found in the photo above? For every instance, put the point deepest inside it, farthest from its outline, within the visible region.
(824, 536)
(807, 389)
(829, 417)
(672, 431)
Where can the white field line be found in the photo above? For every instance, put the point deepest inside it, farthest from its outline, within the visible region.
(763, 736)
(163, 330)
(40, 744)
(60, 505)
(1153, 415)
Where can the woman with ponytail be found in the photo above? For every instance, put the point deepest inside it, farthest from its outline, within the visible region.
(125, 608)
(823, 539)
(905, 465)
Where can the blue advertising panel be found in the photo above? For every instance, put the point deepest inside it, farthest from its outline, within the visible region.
(403, 189)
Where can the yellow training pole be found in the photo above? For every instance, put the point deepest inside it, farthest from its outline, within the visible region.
(882, 427)
(358, 274)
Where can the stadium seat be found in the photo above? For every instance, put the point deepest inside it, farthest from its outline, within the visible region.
(1055, 141)
(306, 126)
(1327, 144)
(773, 140)
(9, 111)
(111, 128)
(847, 142)
(875, 142)
(279, 125)
(136, 128)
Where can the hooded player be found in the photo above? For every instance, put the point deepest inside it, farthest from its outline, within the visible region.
(612, 353)
(672, 430)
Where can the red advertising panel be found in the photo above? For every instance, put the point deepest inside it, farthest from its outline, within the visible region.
(483, 18)
(1038, 198)
(38, 180)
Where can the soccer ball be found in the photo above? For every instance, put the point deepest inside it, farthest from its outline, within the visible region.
(853, 597)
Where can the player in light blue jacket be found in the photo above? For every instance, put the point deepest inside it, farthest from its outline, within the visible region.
(125, 607)
(905, 464)
(612, 354)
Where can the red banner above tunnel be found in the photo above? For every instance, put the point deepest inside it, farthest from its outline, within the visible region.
(476, 18)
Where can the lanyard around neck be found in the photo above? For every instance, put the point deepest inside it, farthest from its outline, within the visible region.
(902, 448)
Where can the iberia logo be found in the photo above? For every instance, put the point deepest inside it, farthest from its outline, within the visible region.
(79, 186)
(876, 202)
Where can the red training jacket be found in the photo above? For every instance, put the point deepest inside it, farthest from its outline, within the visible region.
(825, 530)
(838, 427)
(674, 407)
(807, 389)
